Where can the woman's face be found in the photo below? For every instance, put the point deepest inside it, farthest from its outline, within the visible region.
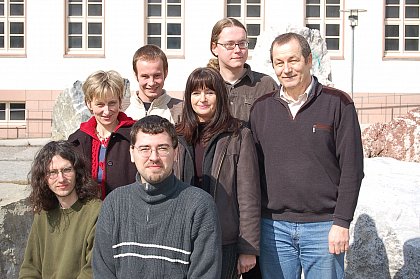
(105, 111)
(203, 102)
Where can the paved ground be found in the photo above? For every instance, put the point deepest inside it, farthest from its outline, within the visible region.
(16, 157)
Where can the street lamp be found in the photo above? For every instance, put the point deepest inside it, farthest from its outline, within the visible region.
(353, 18)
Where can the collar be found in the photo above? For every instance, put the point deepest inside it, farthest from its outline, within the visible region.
(159, 101)
(302, 98)
(154, 193)
(89, 127)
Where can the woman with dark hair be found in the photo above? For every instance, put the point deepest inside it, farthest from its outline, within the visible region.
(66, 205)
(216, 152)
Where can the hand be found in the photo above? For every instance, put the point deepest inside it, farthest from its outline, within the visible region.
(338, 240)
(246, 263)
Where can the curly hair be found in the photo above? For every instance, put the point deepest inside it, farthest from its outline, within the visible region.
(41, 197)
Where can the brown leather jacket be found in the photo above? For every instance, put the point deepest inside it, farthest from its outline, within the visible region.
(234, 185)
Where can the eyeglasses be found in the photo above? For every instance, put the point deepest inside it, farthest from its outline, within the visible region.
(53, 174)
(232, 45)
(146, 151)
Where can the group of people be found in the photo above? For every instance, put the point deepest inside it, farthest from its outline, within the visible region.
(241, 178)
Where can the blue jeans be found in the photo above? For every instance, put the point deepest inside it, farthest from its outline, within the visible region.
(286, 248)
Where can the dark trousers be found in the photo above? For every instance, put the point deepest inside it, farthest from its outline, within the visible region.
(229, 262)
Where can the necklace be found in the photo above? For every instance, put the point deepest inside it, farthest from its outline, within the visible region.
(101, 138)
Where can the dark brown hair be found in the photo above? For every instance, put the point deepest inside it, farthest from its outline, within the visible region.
(150, 53)
(41, 197)
(153, 124)
(222, 121)
(282, 39)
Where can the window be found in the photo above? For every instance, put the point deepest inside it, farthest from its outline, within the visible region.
(250, 13)
(12, 27)
(12, 112)
(402, 21)
(84, 27)
(325, 16)
(165, 25)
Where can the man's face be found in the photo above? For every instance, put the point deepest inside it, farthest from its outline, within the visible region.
(157, 166)
(61, 179)
(290, 66)
(236, 57)
(151, 77)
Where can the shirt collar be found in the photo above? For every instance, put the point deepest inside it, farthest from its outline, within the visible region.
(302, 98)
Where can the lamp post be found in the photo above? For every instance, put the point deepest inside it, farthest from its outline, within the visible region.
(353, 18)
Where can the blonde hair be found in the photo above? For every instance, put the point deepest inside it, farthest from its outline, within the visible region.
(102, 84)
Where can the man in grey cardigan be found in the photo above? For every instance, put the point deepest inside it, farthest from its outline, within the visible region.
(157, 227)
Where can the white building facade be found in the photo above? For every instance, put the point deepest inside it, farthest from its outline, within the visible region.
(45, 46)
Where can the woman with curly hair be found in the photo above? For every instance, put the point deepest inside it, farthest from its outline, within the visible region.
(216, 152)
(66, 204)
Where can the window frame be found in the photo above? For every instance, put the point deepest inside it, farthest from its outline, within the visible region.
(85, 20)
(249, 20)
(7, 19)
(401, 21)
(8, 113)
(164, 20)
(323, 21)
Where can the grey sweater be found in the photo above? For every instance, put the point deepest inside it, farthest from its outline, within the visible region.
(167, 230)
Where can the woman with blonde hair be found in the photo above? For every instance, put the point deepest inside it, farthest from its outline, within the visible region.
(105, 138)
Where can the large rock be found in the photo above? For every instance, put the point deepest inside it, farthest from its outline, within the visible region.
(321, 66)
(399, 139)
(15, 223)
(385, 233)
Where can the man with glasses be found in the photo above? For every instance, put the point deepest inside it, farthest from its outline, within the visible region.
(229, 44)
(66, 205)
(157, 227)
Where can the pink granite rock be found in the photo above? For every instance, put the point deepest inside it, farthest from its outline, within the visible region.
(398, 139)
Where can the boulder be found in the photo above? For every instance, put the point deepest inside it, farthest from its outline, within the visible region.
(399, 138)
(15, 223)
(321, 66)
(385, 233)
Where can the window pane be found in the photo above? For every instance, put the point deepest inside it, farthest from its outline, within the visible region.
(333, 11)
(16, 28)
(412, 44)
(173, 29)
(174, 10)
(312, 1)
(1, 41)
(253, 29)
(313, 26)
(154, 41)
(391, 44)
(254, 1)
(312, 11)
(17, 111)
(332, 30)
(16, 42)
(174, 1)
(75, 10)
(333, 43)
(253, 11)
(411, 12)
(411, 31)
(233, 11)
(392, 2)
(1, 27)
(95, 28)
(154, 1)
(252, 43)
(411, 2)
(75, 28)
(234, 1)
(153, 29)
(1, 9)
(75, 42)
(333, 2)
(95, 10)
(16, 10)
(154, 10)
(94, 42)
(392, 31)
(173, 43)
(392, 12)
